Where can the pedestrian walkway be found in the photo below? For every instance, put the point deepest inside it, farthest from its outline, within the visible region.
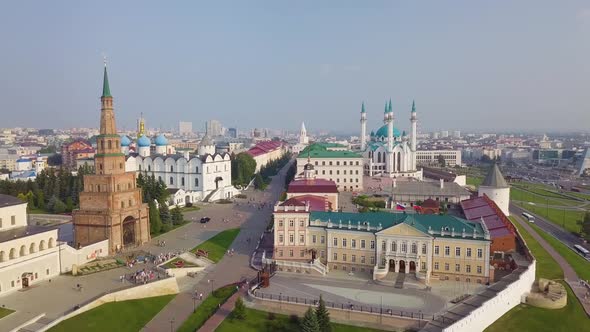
(222, 313)
(569, 274)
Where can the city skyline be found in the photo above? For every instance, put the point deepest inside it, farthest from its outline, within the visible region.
(508, 72)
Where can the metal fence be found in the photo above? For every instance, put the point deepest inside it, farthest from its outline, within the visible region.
(381, 310)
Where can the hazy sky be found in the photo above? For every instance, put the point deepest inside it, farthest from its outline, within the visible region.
(489, 65)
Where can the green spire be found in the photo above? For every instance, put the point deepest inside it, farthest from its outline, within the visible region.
(390, 109)
(413, 106)
(363, 108)
(386, 108)
(106, 91)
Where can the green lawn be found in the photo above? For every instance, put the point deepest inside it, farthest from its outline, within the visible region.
(206, 309)
(528, 318)
(547, 267)
(567, 219)
(190, 208)
(473, 180)
(579, 195)
(257, 321)
(579, 264)
(218, 245)
(124, 316)
(518, 194)
(5, 312)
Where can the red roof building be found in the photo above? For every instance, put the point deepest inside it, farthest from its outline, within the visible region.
(316, 203)
(502, 231)
(322, 188)
(264, 152)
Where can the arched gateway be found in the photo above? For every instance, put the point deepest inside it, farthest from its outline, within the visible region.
(129, 231)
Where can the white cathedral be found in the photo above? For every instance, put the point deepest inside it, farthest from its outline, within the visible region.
(390, 153)
(190, 177)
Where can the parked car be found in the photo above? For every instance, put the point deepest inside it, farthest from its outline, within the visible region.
(205, 220)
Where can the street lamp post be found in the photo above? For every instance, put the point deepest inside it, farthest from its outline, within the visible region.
(172, 324)
(210, 281)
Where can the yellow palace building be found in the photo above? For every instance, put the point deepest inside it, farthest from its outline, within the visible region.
(431, 247)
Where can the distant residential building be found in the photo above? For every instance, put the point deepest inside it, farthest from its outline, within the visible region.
(185, 128)
(444, 134)
(232, 132)
(78, 149)
(214, 128)
(456, 134)
(431, 157)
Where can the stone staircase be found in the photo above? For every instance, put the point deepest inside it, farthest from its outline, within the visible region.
(399, 281)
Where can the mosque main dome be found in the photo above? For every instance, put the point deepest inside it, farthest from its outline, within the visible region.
(382, 132)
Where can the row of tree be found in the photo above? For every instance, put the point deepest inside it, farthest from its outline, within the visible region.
(243, 167)
(272, 168)
(53, 190)
(155, 194)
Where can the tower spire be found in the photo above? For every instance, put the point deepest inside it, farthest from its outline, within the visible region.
(413, 106)
(389, 107)
(106, 91)
(363, 107)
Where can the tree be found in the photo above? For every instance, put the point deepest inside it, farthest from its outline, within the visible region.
(69, 204)
(259, 182)
(323, 316)
(243, 168)
(239, 311)
(441, 160)
(155, 221)
(176, 215)
(165, 214)
(309, 323)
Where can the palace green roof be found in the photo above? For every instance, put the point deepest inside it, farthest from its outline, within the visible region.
(422, 222)
(320, 150)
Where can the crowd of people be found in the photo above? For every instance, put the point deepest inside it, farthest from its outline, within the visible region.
(143, 276)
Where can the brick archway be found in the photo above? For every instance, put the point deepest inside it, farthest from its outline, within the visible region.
(129, 231)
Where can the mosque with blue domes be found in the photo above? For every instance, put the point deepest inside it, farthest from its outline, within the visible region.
(389, 152)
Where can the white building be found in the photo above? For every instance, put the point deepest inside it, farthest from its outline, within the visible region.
(29, 254)
(214, 128)
(430, 157)
(497, 189)
(303, 140)
(203, 176)
(389, 152)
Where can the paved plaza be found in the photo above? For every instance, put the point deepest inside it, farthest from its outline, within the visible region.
(60, 294)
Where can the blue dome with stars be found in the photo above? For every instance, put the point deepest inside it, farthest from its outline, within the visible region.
(125, 141)
(161, 140)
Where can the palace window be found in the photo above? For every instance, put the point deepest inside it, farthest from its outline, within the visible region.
(468, 252)
(291, 223)
(301, 253)
(424, 249)
(414, 248)
(301, 238)
(457, 268)
(322, 239)
(197, 170)
(344, 243)
(353, 258)
(468, 268)
(344, 172)
(337, 163)
(344, 257)
(330, 174)
(322, 254)
(458, 251)
(130, 202)
(281, 238)
(335, 242)
(335, 256)
(446, 266)
(280, 223)
(323, 163)
(479, 269)
(300, 223)
(171, 168)
(353, 243)
(122, 204)
(313, 238)
(372, 260)
(323, 172)
(362, 244)
(291, 253)
(291, 238)
(362, 259)
(383, 245)
(394, 246)
(280, 253)
(149, 168)
(330, 165)
(436, 265)
(171, 180)
(316, 163)
(404, 247)
(344, 163)
(337, 172)
(182, 181)
(447, 251)
(479, 253)
(372, 244)
(196, 182)
(423, 266)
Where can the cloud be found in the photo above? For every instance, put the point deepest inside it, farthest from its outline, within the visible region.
(583, 14)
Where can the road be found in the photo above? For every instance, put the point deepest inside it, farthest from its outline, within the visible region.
(562, 235)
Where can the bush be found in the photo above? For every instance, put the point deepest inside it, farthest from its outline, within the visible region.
(240, 196)
(239, 311)
(294, 319)
(188, 204)
(271, 316)
(224, 201)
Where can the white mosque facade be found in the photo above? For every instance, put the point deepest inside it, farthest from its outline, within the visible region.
(388, 152)
(202, 176)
